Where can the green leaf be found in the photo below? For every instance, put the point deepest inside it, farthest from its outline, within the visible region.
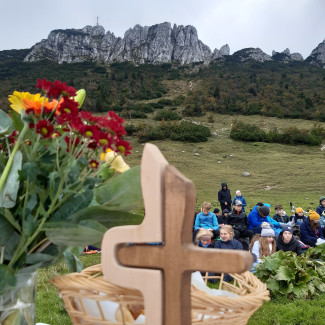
(74, 204)
(272, 284)
(284, 273)
(107, 217)
(16, 120)
(11, 245)
(272, 264)
(7, 277)
(285, 287)
(6, 125)
(71, 258)
(121, 192)
(67, 234)
(300, 290)
(30, 171)
(8, 194)
(38, 258)
(6, 230)
(11, 219)
(29, 226)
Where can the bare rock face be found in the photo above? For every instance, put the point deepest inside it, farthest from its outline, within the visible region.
(224, 50)
(286, 57)
(252, 54)
(155, 44)
(317, 56)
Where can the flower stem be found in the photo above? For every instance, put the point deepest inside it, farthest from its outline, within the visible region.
(6, 171)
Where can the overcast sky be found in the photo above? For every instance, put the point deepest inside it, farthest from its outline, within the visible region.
(268, 24)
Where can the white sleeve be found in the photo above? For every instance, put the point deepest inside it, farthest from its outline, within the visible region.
(256, 250)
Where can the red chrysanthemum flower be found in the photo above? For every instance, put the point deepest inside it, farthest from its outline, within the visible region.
(123, 147)
(89, 131)
(44, 85)
(104, 139)
(92, 145)
(68, 106)
(45, 128)
(94, 164)
(89, 118)
(60, 88)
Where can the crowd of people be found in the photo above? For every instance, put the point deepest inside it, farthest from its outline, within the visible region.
(233, 227)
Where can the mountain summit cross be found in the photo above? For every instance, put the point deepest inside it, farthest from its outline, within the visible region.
(163, 272)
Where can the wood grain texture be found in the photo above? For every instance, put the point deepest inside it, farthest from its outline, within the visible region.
(163, 273)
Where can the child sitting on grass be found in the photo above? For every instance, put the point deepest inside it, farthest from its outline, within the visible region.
(203, 238)
(263, 244)
(206, 220)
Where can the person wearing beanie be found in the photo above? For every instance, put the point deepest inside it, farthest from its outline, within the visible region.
(224, 197)
(286, 242)
(260, 214)
(299, 216)
(223, 219)
(263, 244)
(311, 230)
(321, 211)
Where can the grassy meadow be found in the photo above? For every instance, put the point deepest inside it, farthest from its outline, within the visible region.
(278, 174)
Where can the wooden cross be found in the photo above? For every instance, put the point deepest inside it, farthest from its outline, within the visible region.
(163, 272)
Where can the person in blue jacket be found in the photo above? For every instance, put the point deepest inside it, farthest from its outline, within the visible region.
(311, 230)
(240, 198)
(206, 220)
(260, 214)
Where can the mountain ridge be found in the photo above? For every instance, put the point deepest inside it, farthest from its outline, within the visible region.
(156, 44)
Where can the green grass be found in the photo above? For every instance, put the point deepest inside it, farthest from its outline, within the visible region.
(279, 174)
(49, 307)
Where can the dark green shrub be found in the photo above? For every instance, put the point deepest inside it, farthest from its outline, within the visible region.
(167, 115)
(189, 132)
(165, 102)
(247, 132)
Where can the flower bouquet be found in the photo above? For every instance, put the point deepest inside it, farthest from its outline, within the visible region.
(63, 181)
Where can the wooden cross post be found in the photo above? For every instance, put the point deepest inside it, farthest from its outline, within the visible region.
(163, 272)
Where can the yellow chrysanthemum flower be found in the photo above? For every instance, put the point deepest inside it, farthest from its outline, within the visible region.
(116, 162)
(17, 100)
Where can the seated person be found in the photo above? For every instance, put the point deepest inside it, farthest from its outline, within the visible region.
(206, 220)
(286, 242)
(238, 220)
(299, 217)
(227, 240)
(280, 216)
(203, 238)
(260, 214)
(223, 219)
(216, 212)
(311, 230)
(263, 244)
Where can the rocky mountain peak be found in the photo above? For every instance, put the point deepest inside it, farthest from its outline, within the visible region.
(285, 56)
(252, 54)
(317, 56)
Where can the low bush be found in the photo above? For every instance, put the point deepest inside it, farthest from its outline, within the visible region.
(167, 115)
(177, 131)
(293, 135)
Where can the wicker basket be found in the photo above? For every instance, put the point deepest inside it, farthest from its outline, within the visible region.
(88, 289)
